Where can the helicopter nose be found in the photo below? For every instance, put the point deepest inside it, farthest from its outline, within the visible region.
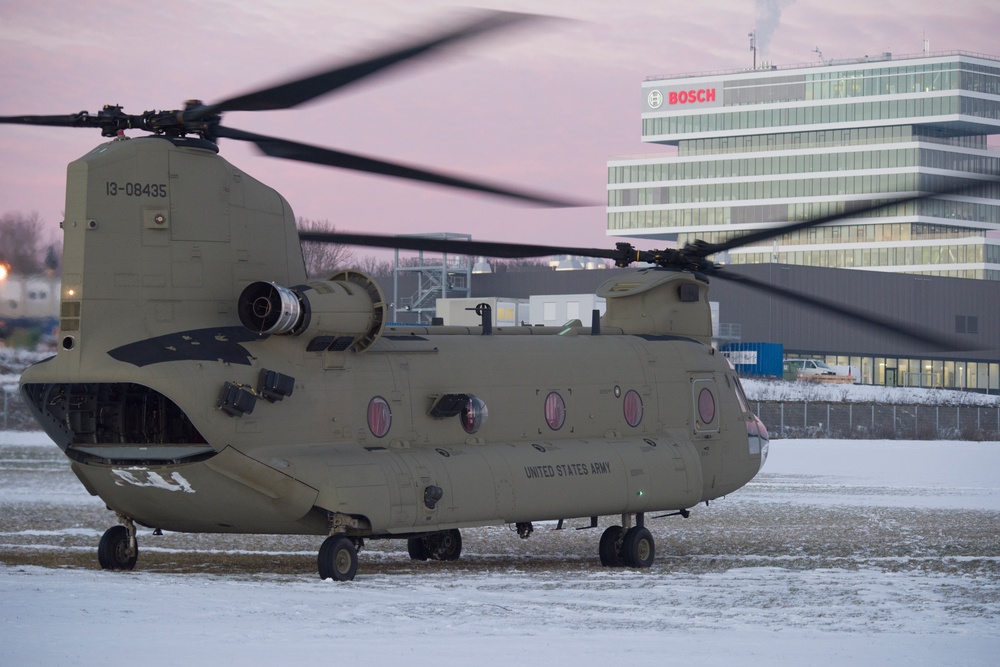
(758, 438)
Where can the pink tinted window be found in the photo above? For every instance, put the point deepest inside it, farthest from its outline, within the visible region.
(474, 414)
(555, 411)
(379, 417)
(706, 407)
(633, 408)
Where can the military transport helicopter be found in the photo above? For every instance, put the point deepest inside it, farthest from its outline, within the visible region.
(203, 384)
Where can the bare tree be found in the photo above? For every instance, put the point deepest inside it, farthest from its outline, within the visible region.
(375, 267)
(323, 259)
(22, 247)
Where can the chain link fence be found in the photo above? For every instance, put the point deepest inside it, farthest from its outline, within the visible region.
(14, 414)
(803, 419)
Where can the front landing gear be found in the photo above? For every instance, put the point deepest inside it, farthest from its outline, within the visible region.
(119, 549)
(633, 547)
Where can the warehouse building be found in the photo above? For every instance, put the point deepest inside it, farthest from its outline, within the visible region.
(963, 311)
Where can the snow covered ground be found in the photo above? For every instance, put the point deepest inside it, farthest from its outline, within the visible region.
(818, 392)
(868, 553)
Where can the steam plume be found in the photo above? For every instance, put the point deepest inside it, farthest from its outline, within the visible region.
(768, 17)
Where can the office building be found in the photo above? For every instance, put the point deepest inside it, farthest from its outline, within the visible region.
(762, 147)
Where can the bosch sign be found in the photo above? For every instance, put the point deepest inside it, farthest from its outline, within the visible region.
(658, 98)
(691, 96)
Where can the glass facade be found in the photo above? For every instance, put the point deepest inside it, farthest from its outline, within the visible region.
(980, 376)
(772, 146)
(884, 113)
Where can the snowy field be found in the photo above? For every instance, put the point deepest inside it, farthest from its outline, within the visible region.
(841, 552)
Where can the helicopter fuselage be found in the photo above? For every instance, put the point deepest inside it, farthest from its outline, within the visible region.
(575, 425)
(203, 384)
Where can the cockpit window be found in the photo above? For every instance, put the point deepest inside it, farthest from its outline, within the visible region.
(740, 396)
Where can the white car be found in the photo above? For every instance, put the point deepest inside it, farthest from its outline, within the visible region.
(798, 367)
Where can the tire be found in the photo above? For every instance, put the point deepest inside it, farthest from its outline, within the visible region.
(638, 547)
(338, 559)
(417, 549)
(444, 546)
(611, 553)
(112, 552)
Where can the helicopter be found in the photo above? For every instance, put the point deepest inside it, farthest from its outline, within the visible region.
(204, 384)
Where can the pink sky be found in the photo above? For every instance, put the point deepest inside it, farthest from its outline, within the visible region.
(542, 107)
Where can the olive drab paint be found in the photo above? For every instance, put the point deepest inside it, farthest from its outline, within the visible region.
(203, 385)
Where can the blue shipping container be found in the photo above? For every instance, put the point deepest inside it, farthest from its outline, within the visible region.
(755, 359)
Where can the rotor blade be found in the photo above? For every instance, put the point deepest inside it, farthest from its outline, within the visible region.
(702, 249)
(65, 120)
(452, 246)
(291, 150)
(293, 93)
(869, 319)
(518, 251)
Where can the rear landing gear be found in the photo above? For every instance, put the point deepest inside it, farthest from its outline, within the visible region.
(446, 545)
(611, 547)
(638, 547)
(119, 549)
(634, 547)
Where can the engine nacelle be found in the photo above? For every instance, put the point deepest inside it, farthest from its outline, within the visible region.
(659, 302)
(348, 311)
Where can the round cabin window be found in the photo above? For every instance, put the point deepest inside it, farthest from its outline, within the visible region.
(555, 411)
(633, 408)
(379, 417)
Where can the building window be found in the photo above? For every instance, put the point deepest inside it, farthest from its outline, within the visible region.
(967, 324)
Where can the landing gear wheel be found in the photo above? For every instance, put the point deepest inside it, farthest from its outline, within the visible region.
(444, 546)
(638, 547)
(338, 558)
(417, 549)
(113, 551)
(610, 547)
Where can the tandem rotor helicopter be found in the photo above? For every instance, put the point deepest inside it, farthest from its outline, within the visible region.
(203, 384)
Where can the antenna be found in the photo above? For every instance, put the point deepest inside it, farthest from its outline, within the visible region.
(753, 45)
(820, 54)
